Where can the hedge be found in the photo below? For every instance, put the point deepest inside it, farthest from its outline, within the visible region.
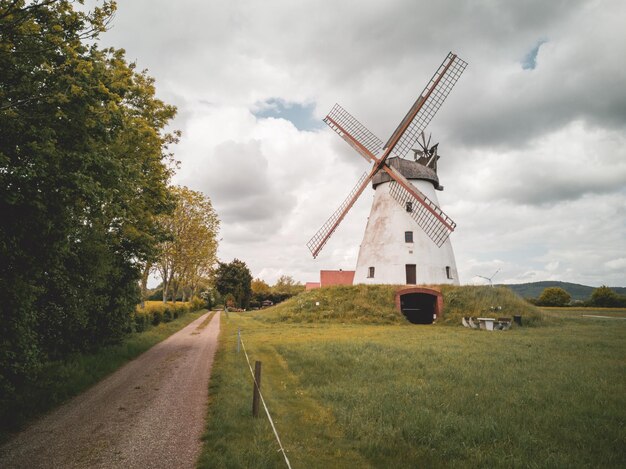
(156, 312)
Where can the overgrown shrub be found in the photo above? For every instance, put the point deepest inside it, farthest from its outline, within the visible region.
(604, 297)
(141, 321)
(553, 296)
(197, 303)
(157, 316)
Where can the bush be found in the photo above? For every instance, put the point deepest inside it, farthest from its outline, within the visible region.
(141, 321)
(156, 312)
(197, 303)
(168, 313)
(157, 316)
(604, 297)
(554, 296)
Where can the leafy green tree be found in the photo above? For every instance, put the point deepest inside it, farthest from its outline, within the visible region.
(84, 167)
(286, 285)
(261, 291)
(188, 252)
(234, 278)
(260, 287)
(604, 297)
(554, 296)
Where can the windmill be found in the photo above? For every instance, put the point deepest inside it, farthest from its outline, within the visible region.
(393, 251)
(489, 279)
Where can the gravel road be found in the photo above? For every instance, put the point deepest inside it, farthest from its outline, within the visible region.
(148, 414)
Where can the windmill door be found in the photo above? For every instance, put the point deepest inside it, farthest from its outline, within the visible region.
(411, 277)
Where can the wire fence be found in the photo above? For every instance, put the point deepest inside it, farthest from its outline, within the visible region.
(267, 412)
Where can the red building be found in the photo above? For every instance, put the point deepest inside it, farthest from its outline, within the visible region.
(336, 277)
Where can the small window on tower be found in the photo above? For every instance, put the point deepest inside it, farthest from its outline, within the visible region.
(448, 272)
(370, 272)
(409, 206)
(408, 236)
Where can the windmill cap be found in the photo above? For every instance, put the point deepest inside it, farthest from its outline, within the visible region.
(409, 169)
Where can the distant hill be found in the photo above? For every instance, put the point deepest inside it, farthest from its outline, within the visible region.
(576, 291)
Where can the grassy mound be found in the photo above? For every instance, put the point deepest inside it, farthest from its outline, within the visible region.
(375, 304)
(478, 301)
(362, 304)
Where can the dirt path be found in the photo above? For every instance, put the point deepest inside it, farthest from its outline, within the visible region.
(149, 413)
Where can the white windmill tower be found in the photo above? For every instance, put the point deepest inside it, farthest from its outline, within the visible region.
(406, 240)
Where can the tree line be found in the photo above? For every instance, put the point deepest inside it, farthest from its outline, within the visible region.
(234, 287)
(285, 287)
(87, 209)
(601, 297)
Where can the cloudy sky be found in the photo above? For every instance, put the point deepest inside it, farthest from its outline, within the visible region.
(533, 136)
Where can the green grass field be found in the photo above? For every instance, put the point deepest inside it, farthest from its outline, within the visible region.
(583, 313)
(400, 395)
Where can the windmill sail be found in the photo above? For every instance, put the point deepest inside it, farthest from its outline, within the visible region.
(426, 106)
(425, 212)
(353, 132)
(317, 242)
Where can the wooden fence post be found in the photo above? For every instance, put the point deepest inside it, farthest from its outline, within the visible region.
(256, 389)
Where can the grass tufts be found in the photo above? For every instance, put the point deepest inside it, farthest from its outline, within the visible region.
(361, 395)
(361, 304)
(375, 304)
(477, 301)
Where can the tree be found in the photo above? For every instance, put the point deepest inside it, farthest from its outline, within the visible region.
(84, 167)
(234, 278)
(146, 269)
(604, 297)
(261, 291)
(188, 251)
(198, 249)
(285, 285)
(260, 287)
(554, 296)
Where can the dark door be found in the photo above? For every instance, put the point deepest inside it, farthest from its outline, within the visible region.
(418, 308)
(411, 277)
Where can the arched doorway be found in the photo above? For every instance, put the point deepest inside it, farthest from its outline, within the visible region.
(419, 305)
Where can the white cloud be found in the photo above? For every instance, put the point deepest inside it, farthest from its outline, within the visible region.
(616, 264)
(273, 186)
(534, 162)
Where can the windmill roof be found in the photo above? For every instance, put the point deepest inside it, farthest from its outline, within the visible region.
(409, 169)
